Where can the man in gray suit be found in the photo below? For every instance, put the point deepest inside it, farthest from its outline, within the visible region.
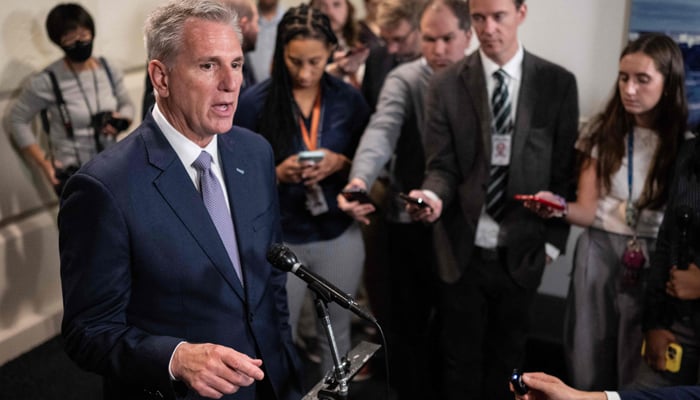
(394, 136)
(500, 122)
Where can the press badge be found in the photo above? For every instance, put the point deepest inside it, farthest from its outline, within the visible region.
(500, 149)
(315, 200)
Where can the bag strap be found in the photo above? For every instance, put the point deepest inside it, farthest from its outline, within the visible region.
(62, 108)
(109, 76)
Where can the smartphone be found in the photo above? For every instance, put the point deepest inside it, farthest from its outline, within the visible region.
(532, 197)
(516, 379)
(354, 50)
(356, 194)
(310, 156)
(414, 200)
(674, 354)
(120, 124)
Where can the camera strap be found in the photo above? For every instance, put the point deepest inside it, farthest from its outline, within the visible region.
(61, 103)
(103, 61)
(62, 108)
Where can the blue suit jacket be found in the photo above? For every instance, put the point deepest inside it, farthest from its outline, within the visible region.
(143, 268)
(667, 393)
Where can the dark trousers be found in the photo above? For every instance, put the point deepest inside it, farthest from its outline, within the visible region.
(412, 301)
(483, 321)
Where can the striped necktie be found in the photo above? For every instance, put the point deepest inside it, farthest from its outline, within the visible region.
(498, 175)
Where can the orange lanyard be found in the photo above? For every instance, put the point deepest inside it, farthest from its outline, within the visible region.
(311, 139)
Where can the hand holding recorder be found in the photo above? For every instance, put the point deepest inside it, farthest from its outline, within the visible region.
(355, 201)
(422, 206)
(317, 165)
(416, 201)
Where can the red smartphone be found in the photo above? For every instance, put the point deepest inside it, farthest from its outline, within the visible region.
(532, 197)
(353, 194)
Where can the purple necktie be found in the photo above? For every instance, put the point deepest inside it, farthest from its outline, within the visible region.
(214, 201)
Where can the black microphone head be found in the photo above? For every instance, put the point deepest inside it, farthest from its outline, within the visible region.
(685, 216)
(281, 257)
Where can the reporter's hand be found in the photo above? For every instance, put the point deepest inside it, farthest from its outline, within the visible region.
(213, 370)
(684, 284)
(49, 172)
(109, 129)
(547, 387)
(355, 209)
(542, 210)
(657, 341)
(350, 63)
(289, 170)
(37, 155)
(331, 163)
(424, 214)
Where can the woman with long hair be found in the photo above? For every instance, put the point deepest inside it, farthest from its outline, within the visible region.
(627, 157)
(350, 55)
(313, 122)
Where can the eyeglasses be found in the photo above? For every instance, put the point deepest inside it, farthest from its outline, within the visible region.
(399, 40)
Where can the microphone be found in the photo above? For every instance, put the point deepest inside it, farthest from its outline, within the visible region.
(684, 218)
(282, 258)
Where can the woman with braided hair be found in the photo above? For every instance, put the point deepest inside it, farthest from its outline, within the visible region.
(301, 108)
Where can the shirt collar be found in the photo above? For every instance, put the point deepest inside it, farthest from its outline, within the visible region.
(514, 66)
(186, 150)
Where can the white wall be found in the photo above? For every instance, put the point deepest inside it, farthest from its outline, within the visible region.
(584, 36)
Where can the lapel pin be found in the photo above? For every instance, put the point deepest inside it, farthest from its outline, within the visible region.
(240, 171)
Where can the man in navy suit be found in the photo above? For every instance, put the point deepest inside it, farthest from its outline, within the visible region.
(546, 387)
(155, 300)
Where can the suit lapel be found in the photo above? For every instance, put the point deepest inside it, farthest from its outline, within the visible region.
(239, 176)
(178, 191)
(473, 78)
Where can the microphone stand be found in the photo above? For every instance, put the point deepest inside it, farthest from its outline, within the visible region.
(337, 381)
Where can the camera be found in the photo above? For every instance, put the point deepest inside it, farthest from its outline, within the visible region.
(101, 119)
(62, 174)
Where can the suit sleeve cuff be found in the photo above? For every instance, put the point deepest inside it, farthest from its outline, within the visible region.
(552, 251)
(430, 194)
(170, 363)
(612, 395)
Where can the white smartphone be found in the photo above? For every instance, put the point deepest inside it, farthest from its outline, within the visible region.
(313, 156)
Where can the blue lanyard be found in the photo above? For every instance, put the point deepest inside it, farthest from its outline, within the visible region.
(630, 169)
(630, 212)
